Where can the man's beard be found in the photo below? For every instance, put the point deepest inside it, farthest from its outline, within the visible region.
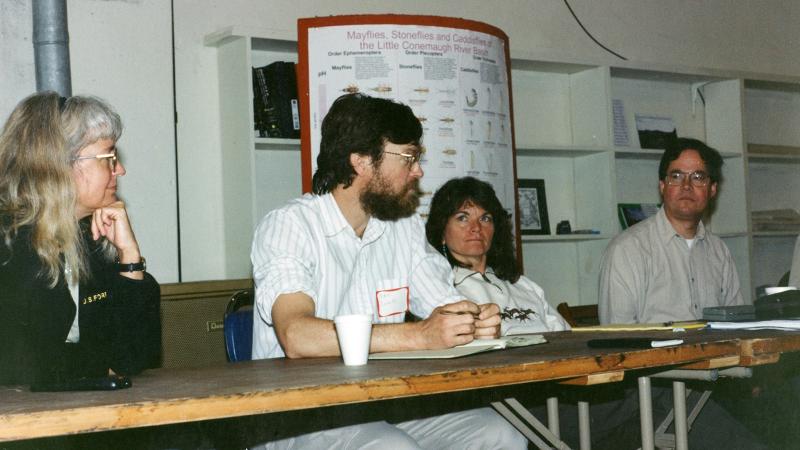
(380, 202)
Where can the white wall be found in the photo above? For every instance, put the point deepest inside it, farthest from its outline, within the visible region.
(121, 50)
(717, 34)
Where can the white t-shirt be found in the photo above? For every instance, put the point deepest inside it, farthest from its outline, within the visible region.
(74, 335)
(308, 246)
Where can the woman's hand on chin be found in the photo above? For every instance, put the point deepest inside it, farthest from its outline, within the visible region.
(112, 223)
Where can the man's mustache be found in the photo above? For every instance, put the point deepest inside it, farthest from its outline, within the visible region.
(414, 189)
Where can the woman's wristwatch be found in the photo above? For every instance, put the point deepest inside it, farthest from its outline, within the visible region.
(132, 267)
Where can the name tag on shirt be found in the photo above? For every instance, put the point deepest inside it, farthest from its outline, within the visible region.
(391, 302)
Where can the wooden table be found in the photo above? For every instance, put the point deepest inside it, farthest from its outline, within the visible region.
(166, 396)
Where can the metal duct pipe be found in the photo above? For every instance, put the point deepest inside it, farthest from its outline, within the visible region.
(51, 46)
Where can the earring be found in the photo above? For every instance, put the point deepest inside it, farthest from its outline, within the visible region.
(444, 249)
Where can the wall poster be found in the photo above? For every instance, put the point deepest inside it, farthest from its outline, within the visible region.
(453, 73)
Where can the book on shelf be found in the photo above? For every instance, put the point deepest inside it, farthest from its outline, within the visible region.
(261, 114)
(773, 150)
(776, 220)
(655, 132)
(275, 106)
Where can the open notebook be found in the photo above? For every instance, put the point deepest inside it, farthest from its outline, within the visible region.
(476, 346)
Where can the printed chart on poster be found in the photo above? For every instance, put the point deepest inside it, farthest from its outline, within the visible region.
(454, 79)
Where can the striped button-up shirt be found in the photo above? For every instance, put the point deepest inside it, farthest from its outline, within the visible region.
(308, 246)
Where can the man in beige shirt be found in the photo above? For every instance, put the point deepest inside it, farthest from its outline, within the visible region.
(669, 266)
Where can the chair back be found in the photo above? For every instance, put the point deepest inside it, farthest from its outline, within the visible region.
(579, 316)
(239, 326)
(784, 281)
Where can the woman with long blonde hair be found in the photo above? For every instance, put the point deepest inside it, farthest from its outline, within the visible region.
(76, 300)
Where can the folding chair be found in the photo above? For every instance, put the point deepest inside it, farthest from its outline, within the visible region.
(238, 326)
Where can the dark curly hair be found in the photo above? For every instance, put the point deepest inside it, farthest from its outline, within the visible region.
(449, 199)
(358, 123)
(710, 157)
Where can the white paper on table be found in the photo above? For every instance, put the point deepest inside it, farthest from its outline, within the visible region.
(476, 346)
(756, 325)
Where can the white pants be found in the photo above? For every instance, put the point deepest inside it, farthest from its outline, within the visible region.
(479, 429)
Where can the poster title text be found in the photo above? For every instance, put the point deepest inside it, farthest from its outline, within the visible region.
(421, 42)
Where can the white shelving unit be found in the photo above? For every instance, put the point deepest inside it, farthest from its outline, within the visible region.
(772, 115)
(259, 174)
(563, 134)
(562, 129)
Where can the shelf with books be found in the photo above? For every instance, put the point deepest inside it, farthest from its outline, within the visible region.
(244, 170)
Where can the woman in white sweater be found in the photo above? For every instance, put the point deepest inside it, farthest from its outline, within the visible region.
(469, 226)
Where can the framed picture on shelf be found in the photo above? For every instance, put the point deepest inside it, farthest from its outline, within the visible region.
(532, 207)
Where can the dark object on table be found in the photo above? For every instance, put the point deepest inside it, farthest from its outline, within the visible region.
(632, 342)
(733, 313)
(107, 383)
(782, 305)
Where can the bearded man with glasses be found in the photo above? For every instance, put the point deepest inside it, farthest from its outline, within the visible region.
(356, 245)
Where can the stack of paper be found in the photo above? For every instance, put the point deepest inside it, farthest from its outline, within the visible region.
(757, 325)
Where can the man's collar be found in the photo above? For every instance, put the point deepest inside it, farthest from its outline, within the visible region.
(333, 219)
(666, 231)
(335, 222)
